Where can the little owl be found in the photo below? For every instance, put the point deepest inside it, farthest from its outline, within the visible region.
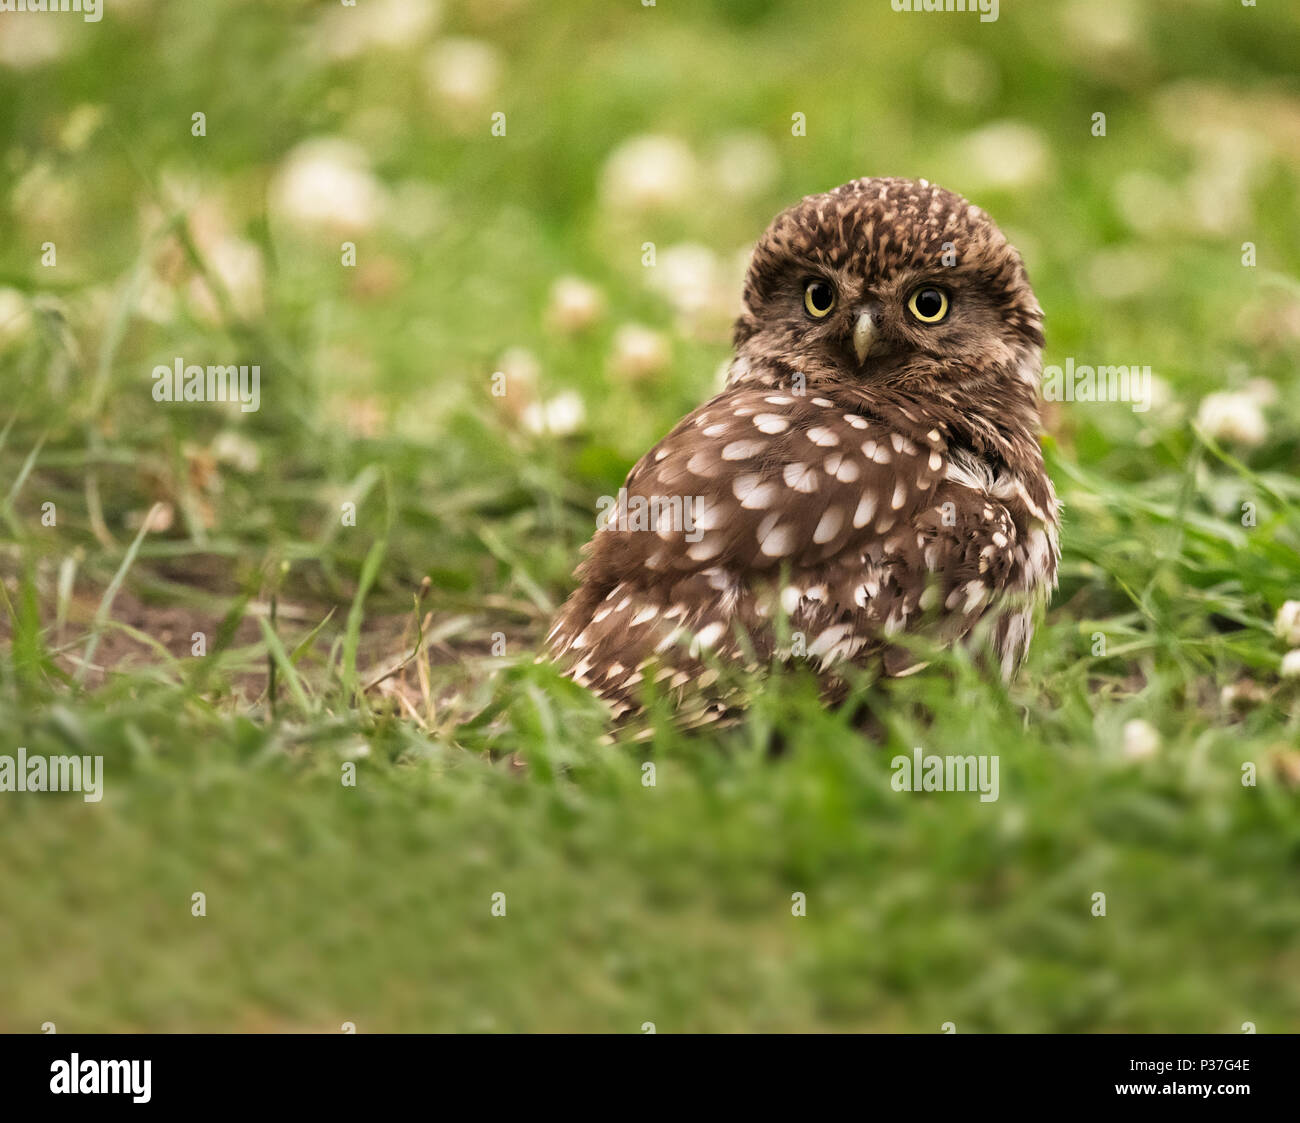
(871, 468)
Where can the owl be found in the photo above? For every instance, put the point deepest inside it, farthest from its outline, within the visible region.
(872, 468)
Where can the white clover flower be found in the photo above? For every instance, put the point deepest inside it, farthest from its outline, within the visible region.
(639, 352)
(395, 23)
(327, 184)
(687, 275)
(1291, 664)
(237, 265)
(1006, 154)
(521, 368)
(1231, 416)
(514, 383)
(557, 417)
(233, 448)
(386, 24)
(1161, 395)
(575, 304)
(1262, 390)
(1101, 27)
(15, 316)
(463, 74)
(28, 43)
(1241, 695)
(159, 518)
(1147, 202)
(745, 164)
(157, 300)
(1287, 624)
(1141, 739)
(80, 125)
(1219, 187)
(648, 173)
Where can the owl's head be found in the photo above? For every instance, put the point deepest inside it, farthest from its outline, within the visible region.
(892, 282)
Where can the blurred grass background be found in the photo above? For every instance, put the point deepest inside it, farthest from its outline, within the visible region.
(479, 772)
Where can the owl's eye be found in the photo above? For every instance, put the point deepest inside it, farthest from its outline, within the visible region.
(819, 299)
(928, 304)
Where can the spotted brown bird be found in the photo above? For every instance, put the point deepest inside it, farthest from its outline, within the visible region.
(872, 467)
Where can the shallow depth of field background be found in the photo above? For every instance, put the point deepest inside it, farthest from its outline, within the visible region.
(1156, 676)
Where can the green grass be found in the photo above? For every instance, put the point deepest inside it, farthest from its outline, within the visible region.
(480, 773)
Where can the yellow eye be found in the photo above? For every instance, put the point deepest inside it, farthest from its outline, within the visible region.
(928, 304)
(819, 299)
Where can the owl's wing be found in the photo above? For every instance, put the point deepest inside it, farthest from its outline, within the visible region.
(763, 498)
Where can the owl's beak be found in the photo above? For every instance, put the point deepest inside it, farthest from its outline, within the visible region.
(865, 335)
